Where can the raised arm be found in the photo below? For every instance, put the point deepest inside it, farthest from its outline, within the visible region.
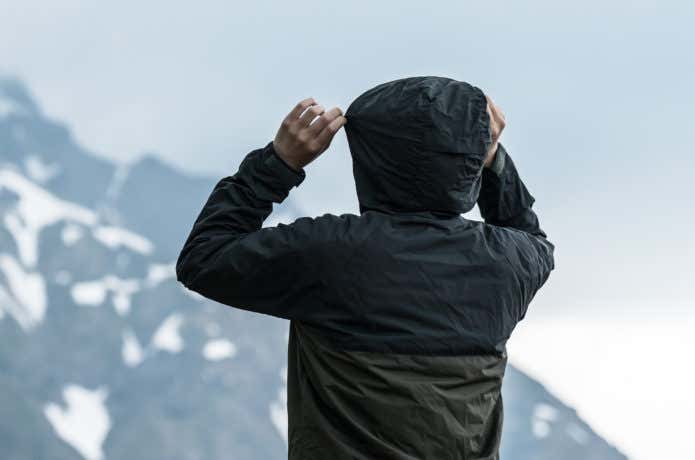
(229, 257)
(505, 202)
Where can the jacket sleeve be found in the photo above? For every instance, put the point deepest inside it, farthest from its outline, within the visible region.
(230, 258)
(504, 201)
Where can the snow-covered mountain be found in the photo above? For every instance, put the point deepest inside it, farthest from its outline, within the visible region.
(103, 355)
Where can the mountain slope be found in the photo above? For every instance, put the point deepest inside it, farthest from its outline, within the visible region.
(104, 355)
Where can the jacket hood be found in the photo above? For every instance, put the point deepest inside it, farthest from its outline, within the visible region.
(418, 144)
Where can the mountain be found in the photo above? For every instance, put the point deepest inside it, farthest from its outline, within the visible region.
(103, 355)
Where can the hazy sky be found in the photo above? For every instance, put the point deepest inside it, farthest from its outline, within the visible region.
(598, 98)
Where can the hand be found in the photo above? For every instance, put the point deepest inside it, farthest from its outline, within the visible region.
(497, 124)
(299, 141)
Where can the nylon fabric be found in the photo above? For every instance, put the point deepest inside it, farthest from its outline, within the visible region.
(399, 315)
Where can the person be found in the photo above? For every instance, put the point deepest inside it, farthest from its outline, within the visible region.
(399, 316)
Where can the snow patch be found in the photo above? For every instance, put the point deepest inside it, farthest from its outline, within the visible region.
(36, 209)
(543, 414)
(131, 351)
(39, 171)
(115, 237)
(122, 289)
(93, 293)
(71, 234)
(541, 428)
(278, 408)
(167, 336)
(545, 411)
(89, 293)
(28, 290)
(216, 350)
(85, 421)
(156, 273)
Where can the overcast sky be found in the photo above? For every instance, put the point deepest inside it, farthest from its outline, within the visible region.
(598, 98)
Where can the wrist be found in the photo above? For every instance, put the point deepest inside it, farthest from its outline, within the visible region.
(278, 170)
(294, 167)
(498, 161)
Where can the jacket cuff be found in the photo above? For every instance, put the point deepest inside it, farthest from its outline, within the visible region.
(288, 176)
(503, 195)
(497, 165)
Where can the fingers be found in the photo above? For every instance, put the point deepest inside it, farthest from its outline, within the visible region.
(326, 135)
(499, 115)
(501, 121)
(321, 131)
(324, 120)
(307, 131)
(494, 109)
(498, 112)
(298, 109)
(308, 116)
(497, 120)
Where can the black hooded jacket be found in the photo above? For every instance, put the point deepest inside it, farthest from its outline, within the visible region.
(399, 315)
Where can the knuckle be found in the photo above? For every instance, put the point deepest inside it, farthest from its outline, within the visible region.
(318, 125)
